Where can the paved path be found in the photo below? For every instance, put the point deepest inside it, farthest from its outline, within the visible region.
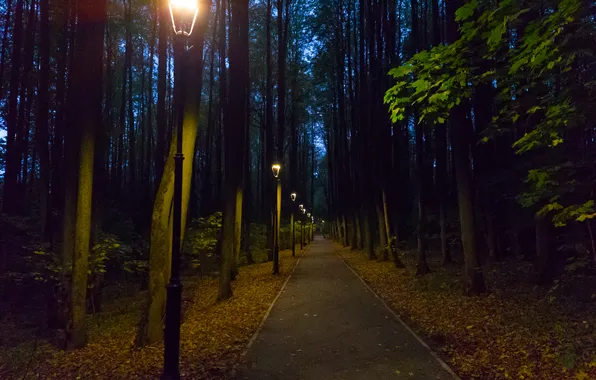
(327, 325)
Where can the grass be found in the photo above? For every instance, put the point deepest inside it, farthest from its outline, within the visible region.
(213, 334)
(520, 332)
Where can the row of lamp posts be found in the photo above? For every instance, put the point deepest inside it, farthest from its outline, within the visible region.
(276, 169)
(184, 15)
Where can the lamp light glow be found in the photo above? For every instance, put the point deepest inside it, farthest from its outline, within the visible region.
(184, 15)
(293, 196)
(308, 214)
(276, 168)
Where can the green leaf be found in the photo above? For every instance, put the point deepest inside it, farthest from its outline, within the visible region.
(466, 11)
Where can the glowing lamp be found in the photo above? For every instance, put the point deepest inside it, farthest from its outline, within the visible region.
(293, 196)
(276, 168)
(184, 15)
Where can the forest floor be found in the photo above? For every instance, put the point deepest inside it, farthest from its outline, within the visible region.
(213, 334)
(514, 332)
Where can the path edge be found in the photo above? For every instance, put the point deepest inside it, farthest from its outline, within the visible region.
(258, 331)
(397, 317)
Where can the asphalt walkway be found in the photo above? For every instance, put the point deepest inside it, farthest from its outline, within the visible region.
(327, 325)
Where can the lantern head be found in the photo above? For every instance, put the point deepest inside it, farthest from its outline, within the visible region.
(184, 15)
(301, 207)
(293, 196)
(276, 168)
(304, 211)
(308, 214)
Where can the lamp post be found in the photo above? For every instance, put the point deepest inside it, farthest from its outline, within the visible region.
(184, 15)
(302, 226)
(276, 168)
(301, 208)
(308, 234)
(293, 197)
(312, 225)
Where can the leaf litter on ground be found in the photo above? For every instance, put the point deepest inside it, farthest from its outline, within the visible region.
(213, 334)
(505, 335)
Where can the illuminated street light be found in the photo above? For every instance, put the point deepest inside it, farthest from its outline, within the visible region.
(276, 168)
(293, 196)
(184, 15)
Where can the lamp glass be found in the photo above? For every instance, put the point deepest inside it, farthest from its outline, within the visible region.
(276, 168)
(184, 15)
(293, 196)
(308, 214)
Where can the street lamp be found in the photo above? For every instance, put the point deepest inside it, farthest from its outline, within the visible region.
(184, 14)
(302, 237)
(276, 168)
(292, 230)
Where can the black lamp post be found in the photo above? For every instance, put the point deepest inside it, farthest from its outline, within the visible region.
(308, 231)
(301, 208)
(184, 14)
(293, 197)
(276, 168)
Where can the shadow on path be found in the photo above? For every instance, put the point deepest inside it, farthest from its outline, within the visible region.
(327, 325)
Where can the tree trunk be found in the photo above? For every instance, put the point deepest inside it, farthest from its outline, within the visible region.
(461, 153)
(42, 133)
(162, 45)
(235, 135)
(88, 66)
(12, 156)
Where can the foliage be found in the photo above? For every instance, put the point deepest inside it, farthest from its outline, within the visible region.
(202, 236)
(532, 58)
(510, 334)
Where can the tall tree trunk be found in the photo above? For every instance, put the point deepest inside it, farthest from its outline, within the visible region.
(460, 136)
(235, 134)
(269, 133)
(42, 133)
(9, 205)
(162, 67)
(87, 73)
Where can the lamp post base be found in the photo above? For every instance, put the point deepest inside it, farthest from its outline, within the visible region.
(172, 332)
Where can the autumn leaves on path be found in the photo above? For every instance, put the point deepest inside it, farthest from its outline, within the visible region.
(328, 325)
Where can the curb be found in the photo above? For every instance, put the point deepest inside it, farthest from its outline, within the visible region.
(256, 334)
(430, 350)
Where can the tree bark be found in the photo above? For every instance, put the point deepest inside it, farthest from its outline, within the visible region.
(87, 73)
